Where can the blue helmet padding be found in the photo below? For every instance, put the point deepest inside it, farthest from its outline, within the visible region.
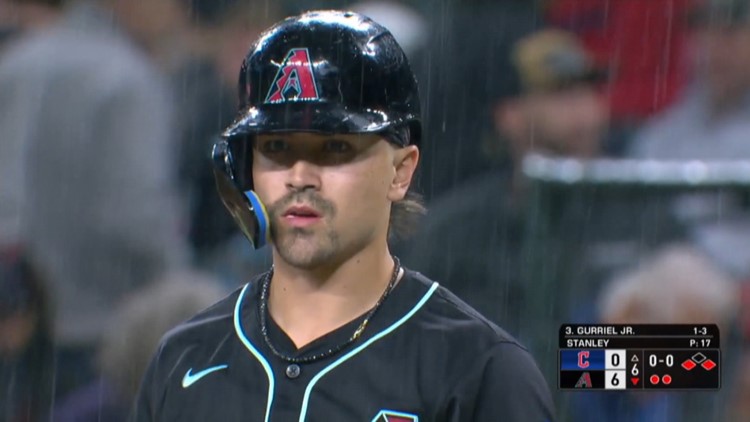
(260, 212)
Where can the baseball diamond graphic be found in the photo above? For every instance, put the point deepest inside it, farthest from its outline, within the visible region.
(295, 80)
(393, 416)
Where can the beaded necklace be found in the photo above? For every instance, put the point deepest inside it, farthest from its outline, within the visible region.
(263, 310)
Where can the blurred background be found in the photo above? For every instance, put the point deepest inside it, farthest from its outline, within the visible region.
(583, 162)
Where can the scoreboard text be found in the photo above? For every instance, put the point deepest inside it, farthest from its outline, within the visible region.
(641, 357)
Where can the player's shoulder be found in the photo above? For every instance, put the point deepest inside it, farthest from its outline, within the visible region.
(459, 320)
(211, 323)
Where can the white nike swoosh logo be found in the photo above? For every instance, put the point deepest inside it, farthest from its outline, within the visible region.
(191, 378)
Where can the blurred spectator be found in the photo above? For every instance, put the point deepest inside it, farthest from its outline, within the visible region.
(677, 285)
(139, 323)
(91, 126)
(17, 17)
(643, 41)
(204, 82)
(712, 120)
(560, 110)
(463, 68)
(155, 26)
(26, 348)
(474, 234)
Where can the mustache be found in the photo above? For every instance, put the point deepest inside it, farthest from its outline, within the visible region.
(310, 198)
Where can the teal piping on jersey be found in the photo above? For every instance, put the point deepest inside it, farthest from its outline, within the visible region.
(342, 359)
(254, 351)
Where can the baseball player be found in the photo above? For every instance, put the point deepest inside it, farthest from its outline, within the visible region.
(318, 164)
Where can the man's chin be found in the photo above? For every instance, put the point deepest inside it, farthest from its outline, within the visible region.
(303, 260)
(304, 253)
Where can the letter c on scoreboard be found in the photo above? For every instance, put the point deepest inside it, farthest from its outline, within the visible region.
(583, 359)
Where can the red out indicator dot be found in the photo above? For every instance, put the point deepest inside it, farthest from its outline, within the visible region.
(654, 379)
(708, 365)
(689, 364)
(666, 379)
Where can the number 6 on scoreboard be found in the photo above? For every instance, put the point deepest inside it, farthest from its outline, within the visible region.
(634, 371)
(615, 380)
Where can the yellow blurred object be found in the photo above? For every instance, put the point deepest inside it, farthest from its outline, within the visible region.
(552, 59)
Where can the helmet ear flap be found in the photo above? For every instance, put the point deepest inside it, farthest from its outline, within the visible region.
(222, 158)
(245, 207)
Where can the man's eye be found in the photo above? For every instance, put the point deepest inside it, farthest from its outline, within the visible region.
(337, 146)
(271, 147)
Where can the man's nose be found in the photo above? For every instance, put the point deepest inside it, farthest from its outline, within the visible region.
(303, 175)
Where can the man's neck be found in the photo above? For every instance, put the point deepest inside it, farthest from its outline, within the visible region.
(307, 304)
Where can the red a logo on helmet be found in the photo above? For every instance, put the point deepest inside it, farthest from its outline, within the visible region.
(295, 80)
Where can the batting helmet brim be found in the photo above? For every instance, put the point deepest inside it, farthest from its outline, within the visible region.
(319, 118)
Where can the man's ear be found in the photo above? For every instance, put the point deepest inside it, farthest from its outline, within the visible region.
(405, 162)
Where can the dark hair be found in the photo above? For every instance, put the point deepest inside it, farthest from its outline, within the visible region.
(406, 213)
(405, 216)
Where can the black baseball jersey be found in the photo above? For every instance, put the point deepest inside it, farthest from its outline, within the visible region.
(424, 356)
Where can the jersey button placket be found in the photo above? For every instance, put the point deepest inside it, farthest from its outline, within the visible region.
(293, 371)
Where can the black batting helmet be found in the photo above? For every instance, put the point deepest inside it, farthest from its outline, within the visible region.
(324, 72)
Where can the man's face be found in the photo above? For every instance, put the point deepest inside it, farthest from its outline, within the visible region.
(567, 122)
(327, 196)
(723, 58)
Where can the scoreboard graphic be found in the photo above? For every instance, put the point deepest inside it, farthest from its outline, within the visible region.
(639, 357)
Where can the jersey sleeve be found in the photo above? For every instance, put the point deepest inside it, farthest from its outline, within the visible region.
(506, 385)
